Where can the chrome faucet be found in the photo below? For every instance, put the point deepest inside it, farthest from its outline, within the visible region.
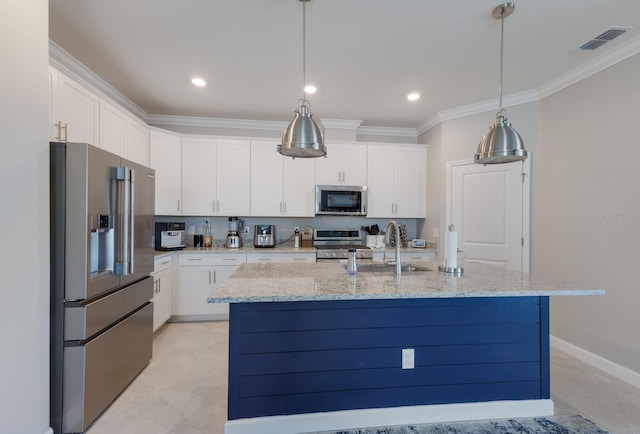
(397, 263)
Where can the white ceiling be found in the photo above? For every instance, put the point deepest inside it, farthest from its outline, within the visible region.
(364, 56)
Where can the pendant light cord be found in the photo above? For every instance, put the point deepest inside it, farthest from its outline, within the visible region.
(501, 56)
(304, 49)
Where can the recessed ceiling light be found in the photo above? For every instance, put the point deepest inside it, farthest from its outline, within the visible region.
(310, 88)
(413, 96)
(198, 82)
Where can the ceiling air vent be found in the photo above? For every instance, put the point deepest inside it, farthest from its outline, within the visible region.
(602, 38)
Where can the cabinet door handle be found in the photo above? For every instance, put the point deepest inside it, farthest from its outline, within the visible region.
(66, 132)
(165, 262)
(209, 277)
(58, 138)
(217, 205)
(194, 259)
(178, 205)
(344, 176)
(229, 259)
(299, 259)
(264, 259)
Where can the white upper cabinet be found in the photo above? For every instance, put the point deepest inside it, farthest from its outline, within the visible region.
(396, 180)
(137, 148)
(233, 176)
(113, 128)
(164, 157)
(74, 110)
(345, 164)
(280, 186)
(215, 177)
(122, 134)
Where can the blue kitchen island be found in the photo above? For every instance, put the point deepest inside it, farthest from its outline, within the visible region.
(312, 348)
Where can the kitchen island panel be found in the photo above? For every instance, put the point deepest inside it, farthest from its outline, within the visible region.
(305, 357)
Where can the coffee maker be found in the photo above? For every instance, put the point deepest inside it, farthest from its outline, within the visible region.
(234, 240)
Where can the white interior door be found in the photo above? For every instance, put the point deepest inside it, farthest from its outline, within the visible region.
(489, 208)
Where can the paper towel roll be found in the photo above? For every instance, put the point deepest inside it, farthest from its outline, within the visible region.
(451, 249)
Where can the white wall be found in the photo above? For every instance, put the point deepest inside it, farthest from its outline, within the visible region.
(585, 201)
(587, 210)
(24, 218)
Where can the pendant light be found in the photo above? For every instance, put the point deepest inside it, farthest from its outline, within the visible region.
(303, 137)
(502, 143)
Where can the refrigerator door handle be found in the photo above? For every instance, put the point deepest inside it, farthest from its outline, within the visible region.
(122, 176)
(132, 213)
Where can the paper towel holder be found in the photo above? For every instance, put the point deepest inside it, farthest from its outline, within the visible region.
(455, 270)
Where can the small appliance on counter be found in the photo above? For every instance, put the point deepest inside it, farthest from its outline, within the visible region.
(306, 237)
(170, 236)
(234, 240)
(264, 236)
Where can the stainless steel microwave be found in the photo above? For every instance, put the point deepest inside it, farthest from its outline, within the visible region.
(341, 200)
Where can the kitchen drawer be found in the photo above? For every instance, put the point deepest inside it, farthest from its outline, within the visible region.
(417, 256)
(162, 263)
(280, 258)
(211, 259)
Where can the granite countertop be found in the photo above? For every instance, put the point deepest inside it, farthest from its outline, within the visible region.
(281, 248)
(330, 281)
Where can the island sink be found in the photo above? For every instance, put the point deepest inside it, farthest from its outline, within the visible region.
(389, 268)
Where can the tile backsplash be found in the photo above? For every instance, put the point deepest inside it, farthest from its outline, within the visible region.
(284, 225)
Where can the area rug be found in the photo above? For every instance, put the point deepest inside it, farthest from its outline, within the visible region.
(535, 425)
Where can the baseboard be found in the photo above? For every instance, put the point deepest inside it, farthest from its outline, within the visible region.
(204, 317)
(367, 418)
(611, 368)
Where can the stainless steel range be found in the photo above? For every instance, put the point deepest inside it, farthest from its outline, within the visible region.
(334, 244)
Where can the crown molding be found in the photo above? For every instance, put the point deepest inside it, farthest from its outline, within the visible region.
(607, 59)
(69, 65)
(388, 131)
(341, 124)
(191, 121)
(604, 61)
(65, 62)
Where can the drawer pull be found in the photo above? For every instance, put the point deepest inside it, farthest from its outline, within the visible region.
(195, 259)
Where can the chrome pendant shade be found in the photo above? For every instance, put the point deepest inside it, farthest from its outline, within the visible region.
(303, 138)
(502, 143)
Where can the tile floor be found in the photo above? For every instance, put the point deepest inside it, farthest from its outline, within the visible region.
(183, 390)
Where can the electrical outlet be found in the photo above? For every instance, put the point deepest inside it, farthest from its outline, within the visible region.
(408, 360)
(435, 233)
(246, 230)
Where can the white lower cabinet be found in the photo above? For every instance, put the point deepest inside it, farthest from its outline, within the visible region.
(199, 274)
(406, 256)
(162, 288)
(280, 258)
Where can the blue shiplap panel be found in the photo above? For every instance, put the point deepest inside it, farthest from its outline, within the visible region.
(381, 398)
(389, 357)
(301, 357)
(389, 337)
(389, 317)
(327, 381)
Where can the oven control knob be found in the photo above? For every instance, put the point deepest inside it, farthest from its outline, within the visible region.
(333, 254)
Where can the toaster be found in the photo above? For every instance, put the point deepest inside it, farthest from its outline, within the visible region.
(264, 236)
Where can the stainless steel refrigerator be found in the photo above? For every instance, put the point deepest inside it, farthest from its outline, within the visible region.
(102, 229)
